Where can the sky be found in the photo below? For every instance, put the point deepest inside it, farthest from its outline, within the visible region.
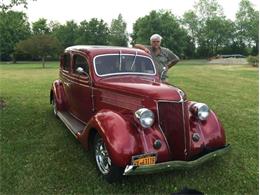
(78, 10)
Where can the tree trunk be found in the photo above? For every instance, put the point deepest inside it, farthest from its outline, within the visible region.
(43, 62)
(14, 58)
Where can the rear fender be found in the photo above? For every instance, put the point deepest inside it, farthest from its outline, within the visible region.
(120, 136)
(57, 91)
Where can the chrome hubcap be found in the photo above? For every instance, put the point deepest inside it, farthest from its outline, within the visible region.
(102, 158)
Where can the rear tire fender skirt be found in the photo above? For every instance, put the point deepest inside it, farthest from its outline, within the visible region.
(120, 136)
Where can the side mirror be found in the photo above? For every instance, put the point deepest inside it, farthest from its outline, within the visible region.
(163, 74)
(81, 71)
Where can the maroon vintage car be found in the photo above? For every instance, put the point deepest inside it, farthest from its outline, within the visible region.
(114, 102)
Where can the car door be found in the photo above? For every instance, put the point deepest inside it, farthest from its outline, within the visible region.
(81, 101)
(65, 72)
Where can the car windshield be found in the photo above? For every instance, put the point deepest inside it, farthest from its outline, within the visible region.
(116, 64)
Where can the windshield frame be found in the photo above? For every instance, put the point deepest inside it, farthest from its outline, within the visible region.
(124, 73)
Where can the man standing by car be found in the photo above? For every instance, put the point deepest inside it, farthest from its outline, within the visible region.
(163, 58)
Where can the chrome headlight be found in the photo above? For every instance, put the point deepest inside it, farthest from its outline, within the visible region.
(145, 116)
(201, 110)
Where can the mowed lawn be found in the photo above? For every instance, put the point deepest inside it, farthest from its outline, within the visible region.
(40, 156)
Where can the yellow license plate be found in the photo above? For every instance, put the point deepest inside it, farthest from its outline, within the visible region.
(147, 159)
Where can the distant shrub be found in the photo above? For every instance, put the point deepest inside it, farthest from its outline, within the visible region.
(253, 60)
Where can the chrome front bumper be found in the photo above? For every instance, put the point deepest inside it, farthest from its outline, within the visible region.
(171, 165)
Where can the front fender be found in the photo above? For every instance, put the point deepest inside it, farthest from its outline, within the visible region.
(120, 136)
(211, 132)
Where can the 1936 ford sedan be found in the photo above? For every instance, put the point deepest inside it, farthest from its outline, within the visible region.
(114, 102)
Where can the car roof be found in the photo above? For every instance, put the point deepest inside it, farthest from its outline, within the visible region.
(101, 49)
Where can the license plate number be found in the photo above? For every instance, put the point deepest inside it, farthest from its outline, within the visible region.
(147, 159)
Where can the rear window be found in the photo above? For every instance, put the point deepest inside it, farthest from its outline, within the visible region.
(66, 62)
(115, 64)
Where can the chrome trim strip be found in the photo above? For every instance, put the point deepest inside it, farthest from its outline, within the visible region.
(64, 71)
(77, 83)
(144, 141)
(184, 131)
(172, 101)
(80, 79)
(179, 92)
(166, 141)
(122, 73)
(183, 121)
(92, 96)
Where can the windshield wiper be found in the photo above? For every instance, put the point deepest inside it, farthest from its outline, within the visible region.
(133, 60)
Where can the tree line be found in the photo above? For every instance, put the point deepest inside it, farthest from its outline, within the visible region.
(201, 32)
(204, 31)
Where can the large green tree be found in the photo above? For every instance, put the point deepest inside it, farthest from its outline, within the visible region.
(40, 27)
(39, 46)
(118, 35)
(207, 9)
(14, 26)
(213, 33)
(247, 22)
(210, 16)
(191, 24)
(94, 32)
(214, 36)
(208, 28)
(165, 24)
(66, 34)
(83, 33)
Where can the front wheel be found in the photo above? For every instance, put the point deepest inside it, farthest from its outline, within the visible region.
(104, 164)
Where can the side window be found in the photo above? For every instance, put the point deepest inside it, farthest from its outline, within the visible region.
(80, 61)
(66, 62)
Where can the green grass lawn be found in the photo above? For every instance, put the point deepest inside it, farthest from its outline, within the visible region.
(40, 156)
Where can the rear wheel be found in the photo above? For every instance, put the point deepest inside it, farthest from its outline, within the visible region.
(104, 164)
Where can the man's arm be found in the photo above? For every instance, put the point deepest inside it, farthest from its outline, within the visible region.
(173, 59)
(142, 47)
(173, 62)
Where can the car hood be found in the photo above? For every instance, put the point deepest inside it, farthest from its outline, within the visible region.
(141, 86)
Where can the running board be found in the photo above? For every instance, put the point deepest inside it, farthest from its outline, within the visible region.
(74, 125)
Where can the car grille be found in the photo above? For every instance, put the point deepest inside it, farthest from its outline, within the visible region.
(172, 117)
